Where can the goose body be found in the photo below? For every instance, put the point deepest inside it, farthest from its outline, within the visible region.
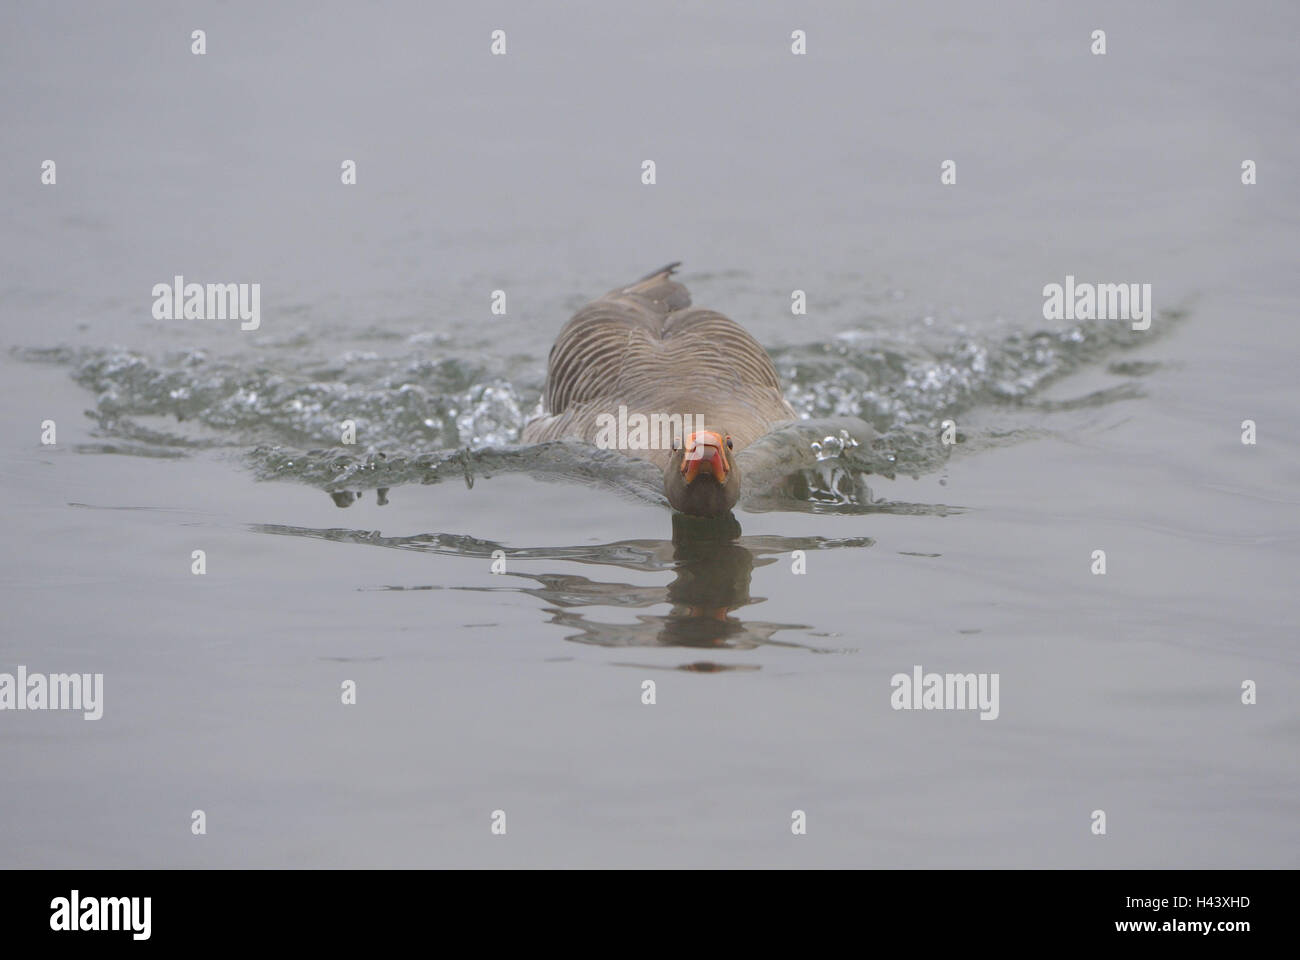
(644, 351)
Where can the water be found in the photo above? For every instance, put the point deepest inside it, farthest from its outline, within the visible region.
(522, 691)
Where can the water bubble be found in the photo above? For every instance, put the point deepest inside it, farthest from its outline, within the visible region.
(493, 416)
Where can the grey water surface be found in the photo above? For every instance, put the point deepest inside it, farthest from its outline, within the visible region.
(521, 690)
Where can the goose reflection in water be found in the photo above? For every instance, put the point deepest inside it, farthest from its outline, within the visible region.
(711, 562)
(712, 568)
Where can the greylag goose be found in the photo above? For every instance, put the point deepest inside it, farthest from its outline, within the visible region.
(642, 371)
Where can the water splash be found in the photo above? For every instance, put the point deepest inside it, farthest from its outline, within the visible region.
(426, 417)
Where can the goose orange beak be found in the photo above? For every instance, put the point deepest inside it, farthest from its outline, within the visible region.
(706, 453)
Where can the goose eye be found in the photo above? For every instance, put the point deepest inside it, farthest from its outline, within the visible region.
(728, 443)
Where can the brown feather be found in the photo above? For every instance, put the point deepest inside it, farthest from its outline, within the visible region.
(645, 347)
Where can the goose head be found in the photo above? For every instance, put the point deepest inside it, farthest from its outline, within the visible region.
(702, 479)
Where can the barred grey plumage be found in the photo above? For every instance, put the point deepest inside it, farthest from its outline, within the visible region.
(645, 348)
